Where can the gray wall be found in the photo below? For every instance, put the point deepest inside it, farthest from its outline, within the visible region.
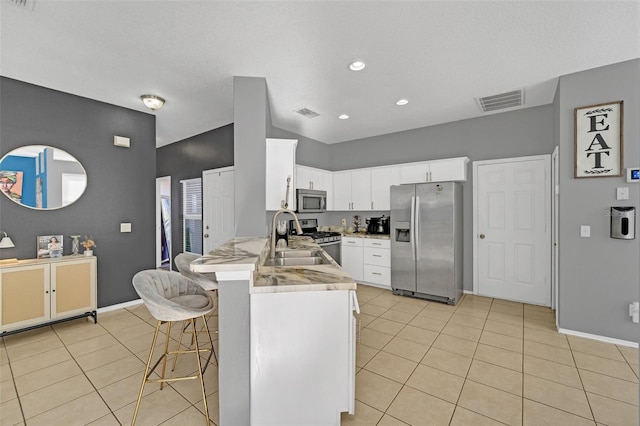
(250, 111)
(121, 182)
(511, 134)
(309, 152)
(599, 276)
(187, 159)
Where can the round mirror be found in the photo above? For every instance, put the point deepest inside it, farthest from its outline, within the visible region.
(42, 177)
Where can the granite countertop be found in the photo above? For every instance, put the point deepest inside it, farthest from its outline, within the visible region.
(249, 254)
(361, 235)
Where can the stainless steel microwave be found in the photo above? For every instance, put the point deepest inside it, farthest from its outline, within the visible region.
(311, 201)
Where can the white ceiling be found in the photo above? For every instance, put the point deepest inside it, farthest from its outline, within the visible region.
(441, 56)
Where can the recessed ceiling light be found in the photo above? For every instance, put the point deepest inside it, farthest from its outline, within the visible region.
(357, 66)
(343, 117)
(402, 102)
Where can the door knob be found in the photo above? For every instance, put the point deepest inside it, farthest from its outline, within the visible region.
(482, 236)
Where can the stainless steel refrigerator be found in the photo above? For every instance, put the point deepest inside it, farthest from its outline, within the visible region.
(426, 241)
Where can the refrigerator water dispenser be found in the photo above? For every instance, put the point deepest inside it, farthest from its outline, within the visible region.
(403, 232)
(623, 223)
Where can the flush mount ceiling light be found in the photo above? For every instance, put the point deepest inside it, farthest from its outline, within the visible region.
(343, 116)
(402, 102)
(357, 66)
(152, 101)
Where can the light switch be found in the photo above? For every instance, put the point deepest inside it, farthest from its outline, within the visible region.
(125, 227)
(622, 193)
(585, 231)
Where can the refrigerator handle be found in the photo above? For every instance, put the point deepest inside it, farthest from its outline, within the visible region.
(412, 227)
(416, 232)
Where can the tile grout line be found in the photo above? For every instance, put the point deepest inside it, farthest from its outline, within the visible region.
(13, 379)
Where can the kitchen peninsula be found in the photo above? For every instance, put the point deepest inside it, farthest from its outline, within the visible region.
(286, 333)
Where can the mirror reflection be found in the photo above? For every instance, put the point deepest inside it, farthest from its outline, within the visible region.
(42, 177)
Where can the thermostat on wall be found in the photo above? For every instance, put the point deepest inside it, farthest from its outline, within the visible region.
(633, 174)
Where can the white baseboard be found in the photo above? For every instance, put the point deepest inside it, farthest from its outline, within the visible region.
(119, 306)
(599, 338)
(468, 291)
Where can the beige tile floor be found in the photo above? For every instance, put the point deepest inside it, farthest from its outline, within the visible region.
(482, 362)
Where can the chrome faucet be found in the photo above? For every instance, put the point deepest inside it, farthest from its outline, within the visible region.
(272, 252)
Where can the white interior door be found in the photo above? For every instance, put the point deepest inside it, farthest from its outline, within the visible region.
(218, 210)
(512, 215)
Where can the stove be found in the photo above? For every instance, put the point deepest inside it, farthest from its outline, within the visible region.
(329, 241)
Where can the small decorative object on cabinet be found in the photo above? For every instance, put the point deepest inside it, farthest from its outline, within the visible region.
(89, 244)
(38, 292)
(75, 244)
(49, 246)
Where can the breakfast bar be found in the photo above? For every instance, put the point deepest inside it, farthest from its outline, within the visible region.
(286, 333)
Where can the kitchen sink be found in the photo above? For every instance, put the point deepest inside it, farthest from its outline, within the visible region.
(296, 261)
(298, 253)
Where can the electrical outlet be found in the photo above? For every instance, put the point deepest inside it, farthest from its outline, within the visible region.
(622, 193)
(634, 311)
(344, 222)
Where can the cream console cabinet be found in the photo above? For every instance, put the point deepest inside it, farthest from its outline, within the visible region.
(41, 291)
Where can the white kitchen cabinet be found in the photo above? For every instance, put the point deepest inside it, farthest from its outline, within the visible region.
(377, 262)
(280, 166)
(382, 178)
(303, 359)
(312, 178)
(34, 292)
(352, 257)
(451, 169)
(352, 190)
(342, 191)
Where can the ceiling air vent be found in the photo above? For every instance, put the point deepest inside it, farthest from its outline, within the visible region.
(25, 4)
(502, 101)
(307, 112)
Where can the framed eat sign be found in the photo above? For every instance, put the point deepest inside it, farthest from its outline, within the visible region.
(598, 140)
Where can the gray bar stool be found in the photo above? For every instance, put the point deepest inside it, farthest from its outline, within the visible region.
(171, 297)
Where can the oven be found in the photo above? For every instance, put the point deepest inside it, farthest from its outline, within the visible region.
(311, 201)
(333, 248)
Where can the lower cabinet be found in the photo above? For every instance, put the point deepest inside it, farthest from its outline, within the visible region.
(377, 262)
(352, 257)
(367, 260)
(34, 292)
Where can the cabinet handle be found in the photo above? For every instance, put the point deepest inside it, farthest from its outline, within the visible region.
(376, 255)
(376, 273)
(372, 205)
(53, 291)
(376, 244)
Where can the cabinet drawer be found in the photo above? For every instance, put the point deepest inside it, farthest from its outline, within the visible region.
(353, 242)
(377, 243)
(377, 275)
(377, 256)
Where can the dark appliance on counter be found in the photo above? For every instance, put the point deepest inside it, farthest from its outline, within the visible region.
(331, 242)
(378, 225)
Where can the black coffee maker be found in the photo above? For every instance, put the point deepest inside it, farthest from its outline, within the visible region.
(378, 225)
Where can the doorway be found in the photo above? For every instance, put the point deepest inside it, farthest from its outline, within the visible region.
(512, 229)
(218, 207)
(163, 222)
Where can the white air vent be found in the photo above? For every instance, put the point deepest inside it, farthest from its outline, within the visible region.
(25, 4)
(307, 112)
(501, 101)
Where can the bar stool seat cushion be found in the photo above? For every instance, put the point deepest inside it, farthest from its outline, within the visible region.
(170, 296)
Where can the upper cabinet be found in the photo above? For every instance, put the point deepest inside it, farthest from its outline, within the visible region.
(352, 190)
(280, 183)
(382, 178)
(451, 169)
(369, 189)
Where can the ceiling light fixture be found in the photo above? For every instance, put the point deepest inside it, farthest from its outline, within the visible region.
(357, 66)
(402, 102)
(152, 101)
(343, 117)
